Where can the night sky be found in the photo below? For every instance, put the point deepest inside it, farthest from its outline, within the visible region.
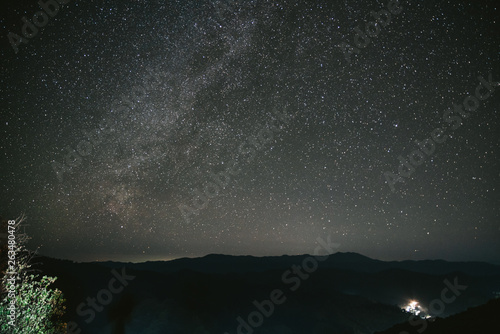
(120, 118)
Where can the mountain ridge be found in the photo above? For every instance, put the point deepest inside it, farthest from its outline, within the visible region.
(221, 263)
(355, 292)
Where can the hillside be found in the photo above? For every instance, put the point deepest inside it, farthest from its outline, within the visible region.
(348, 292)
(480, 319)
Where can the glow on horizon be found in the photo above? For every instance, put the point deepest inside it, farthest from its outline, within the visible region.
(139, 258)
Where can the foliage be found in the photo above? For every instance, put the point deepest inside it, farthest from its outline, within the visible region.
(38, 308)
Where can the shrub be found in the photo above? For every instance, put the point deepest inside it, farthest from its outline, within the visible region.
(38, 308)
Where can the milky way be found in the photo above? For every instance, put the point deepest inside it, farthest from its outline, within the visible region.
(116, 116)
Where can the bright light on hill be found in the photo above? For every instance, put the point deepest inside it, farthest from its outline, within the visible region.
(414, 307)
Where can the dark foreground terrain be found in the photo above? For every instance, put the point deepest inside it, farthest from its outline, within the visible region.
(346, 293)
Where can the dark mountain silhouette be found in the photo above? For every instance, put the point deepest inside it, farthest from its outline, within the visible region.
(348, 293)
(217, 263)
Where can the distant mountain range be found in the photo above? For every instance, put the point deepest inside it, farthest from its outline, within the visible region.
(216, 263)
(346, 293)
